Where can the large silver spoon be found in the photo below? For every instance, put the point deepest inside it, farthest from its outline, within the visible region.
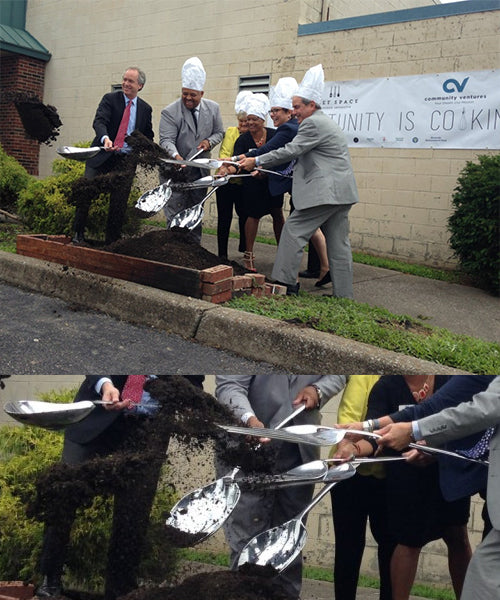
(75, 153)
(317, 435)
(191, 217)
(279, 547)
(202, 512)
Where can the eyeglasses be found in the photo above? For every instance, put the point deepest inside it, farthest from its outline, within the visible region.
(273, 111)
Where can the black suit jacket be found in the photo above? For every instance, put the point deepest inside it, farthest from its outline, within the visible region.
(99, 419)
(107, 121)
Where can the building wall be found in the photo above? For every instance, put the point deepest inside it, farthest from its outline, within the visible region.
(188, 473)
(25, 76)
(405, 194)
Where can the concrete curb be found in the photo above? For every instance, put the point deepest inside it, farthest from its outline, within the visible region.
(252, 336)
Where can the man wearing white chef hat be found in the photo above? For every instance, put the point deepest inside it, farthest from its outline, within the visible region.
(189, 124)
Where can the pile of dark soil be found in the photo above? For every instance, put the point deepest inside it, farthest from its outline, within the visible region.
(172, 246)
(40, 121)
(219, 585)
(191, 416)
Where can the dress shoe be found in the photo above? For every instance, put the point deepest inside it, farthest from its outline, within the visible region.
(78, 238)
(309, 274)
(50, 587)
(291, 289)
(324, 280)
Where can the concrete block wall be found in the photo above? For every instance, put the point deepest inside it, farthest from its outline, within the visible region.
(405, 194)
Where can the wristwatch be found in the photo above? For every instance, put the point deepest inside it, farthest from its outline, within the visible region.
(319, 392)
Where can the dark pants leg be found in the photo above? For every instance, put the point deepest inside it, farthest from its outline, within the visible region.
(119, 190)
(225, 203)
(57, 532)
(118, 199)
(313, 264)
(132, 507)
(353, 502)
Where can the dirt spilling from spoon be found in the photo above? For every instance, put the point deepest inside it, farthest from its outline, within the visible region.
(191, 416)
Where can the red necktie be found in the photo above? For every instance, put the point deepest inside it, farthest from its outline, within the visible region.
(122, 130)
(133, 388)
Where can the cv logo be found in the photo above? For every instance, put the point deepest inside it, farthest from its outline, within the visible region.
(452, 85)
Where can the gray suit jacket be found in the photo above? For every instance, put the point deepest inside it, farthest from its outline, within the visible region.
(270, 398)
(177, 131)
(468, 417)
(323, 173)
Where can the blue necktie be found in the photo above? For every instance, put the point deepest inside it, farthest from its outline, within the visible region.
(480, 449)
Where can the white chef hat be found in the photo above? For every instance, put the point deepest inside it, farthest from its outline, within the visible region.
(256, 104)
(193, 74)
(239, 103)
(311, 86)
(281, 94)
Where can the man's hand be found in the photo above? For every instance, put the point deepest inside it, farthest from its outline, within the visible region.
(204, 144)
(308, 396)
(111, 394)
(254, 422)
(247, 163)
(396, 435)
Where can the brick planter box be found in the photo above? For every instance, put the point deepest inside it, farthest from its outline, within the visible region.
(15, 589)
(216, 284)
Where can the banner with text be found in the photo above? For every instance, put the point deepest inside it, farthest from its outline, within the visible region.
(445, 110)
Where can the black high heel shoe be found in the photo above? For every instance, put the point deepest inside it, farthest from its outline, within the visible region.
(324, 280)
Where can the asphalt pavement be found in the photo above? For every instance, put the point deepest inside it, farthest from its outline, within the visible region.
(43, 334)
(461, 309)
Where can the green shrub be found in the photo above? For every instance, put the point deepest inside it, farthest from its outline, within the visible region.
(25, 453)
(46, 207)
(474, 225)
(13, 179)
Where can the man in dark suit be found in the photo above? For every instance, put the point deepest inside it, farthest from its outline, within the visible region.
(116, 428)
(118, 115)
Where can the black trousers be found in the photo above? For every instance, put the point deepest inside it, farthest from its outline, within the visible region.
(133, 500)
(119, 190)
(354, 501)
(229, 196)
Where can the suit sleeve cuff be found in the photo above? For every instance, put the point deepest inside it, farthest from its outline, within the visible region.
(100, 383)
(415, 430)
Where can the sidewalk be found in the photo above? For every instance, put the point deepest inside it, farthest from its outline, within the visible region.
(461, 309)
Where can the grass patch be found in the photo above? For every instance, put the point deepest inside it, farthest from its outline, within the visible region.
(8, 234)
(377, 327)
(322, 574)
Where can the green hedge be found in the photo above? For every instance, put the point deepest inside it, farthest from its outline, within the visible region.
(13, 179)
(25, 453)
(46, 205)
(474, 226)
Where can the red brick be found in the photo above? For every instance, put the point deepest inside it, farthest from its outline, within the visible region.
(209, 289)
(241, 293)
(258, 280)
(271, 289)
(217, 298)
(241, 282)
(217, 273)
